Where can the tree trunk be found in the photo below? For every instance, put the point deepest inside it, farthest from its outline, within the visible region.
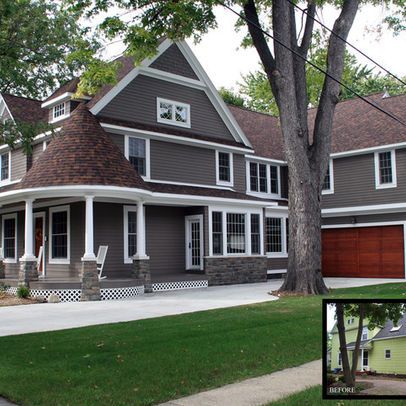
(343, 345)
(358, 341)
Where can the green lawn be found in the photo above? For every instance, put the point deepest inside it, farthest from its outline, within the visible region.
(312, 397)
(149, 361)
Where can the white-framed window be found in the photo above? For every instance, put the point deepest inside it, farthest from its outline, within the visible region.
(350, 321)
(173, 112)
(59, 235)
(5, 166)
(340, 359)
(365, 358)
(235, 232)
(276, 236)
(130, 233)
(9, 237)
(364, 333)
(263, 178)
(60, 111)
(328, 184)
(388, 354)
(224, 168)
(137, 151)
(385, 169)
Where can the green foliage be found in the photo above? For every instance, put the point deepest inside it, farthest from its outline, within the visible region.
(230, 97)
(23, 292)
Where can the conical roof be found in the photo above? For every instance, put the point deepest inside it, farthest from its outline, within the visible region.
(82, 154)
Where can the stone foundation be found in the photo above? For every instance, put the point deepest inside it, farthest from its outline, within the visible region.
(90, 282)
(142, 273)
(2, 270)
(238, 269)
(28, 272)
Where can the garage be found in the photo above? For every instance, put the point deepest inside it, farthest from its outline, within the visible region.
(364, 252)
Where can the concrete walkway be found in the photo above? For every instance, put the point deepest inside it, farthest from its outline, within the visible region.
(385, 386)
(258, 391)
(4, 402)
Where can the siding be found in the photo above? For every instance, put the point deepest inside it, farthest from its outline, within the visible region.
(137, 102)
(396, 364)
(118, 139)
(373, 218)
(18, 164)
(173, 61)
(354, 182)
(37, 150)
(239, 173)
(277, 263)
(182, 163)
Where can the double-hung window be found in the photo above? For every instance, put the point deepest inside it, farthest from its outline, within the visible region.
(9, 228)
(130, 233)
(276, 243)
(236, 233)
(217, 232)
(137, 152)
(224, 168)
(59, 234)
(388, 354)
(364, 333)
(255, 234)
(263, 178)
(172, 112)
(4, 167)
(59, 111)
(385, 169)
(328, 183)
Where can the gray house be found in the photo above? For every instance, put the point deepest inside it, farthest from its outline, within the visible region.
(183, 191)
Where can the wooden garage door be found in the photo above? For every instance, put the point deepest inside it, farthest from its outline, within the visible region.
(364, 252)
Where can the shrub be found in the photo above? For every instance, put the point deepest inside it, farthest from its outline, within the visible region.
(331, 379)
(23, 292)
(341, 378)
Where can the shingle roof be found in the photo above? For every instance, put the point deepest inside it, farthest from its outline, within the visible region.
(362, 343)
(68, 87)
(385, 332)
(25, 109)
(82, 155)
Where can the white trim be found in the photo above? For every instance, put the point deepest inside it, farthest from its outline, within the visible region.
(331, 176)
(390, 353)
(369, 150)
(6, 217)
(57, 100)
(41, 214)
(188, 240)
(378, 184)
(52, 210)
(170, 138)
(231, 162)
(266, 160)
(388, 338)
(126, 210)
(169, 182)
(147, 175)
(66, 112)
(6, 108)
(268, 194)
(173, 121)
(8, 180)
(364, 328)
(360, 210)
(276, 271)
(283, 217)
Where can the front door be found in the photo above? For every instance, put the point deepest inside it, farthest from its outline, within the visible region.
(39, 234)
(194, 242)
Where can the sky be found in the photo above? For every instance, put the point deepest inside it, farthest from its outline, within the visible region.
(225, 61)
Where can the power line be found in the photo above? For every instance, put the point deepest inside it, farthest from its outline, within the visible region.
(373, 104)
(349, 44)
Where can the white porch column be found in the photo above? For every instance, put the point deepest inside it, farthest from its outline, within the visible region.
(141, 250)
(89, 238)
(28, 233)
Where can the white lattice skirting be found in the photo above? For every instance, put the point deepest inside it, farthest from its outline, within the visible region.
(73, 295)
(163, 286)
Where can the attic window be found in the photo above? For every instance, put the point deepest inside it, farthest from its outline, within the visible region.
(174, 113)
(395, 328)
(58, 111)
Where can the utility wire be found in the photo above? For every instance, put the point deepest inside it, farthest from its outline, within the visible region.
(349, 44)
(371, 103)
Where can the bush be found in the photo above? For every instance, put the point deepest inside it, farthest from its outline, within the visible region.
(23, 292)
(331, 379)
(341, 378)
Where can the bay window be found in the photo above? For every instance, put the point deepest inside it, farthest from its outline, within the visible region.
(263, 178)
(276, 239)
(235, 233)
(217, 227)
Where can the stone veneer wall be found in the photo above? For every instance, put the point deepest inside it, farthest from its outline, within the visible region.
(229, 270)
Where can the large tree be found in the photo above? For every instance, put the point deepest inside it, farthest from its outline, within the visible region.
(283, 59)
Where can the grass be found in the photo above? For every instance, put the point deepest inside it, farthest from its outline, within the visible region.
(312, 397)
(149, 361)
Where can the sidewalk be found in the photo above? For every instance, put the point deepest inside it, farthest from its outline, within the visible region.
(258, 391)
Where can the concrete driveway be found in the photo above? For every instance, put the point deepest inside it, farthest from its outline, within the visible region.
(385, 386)
(59, 316)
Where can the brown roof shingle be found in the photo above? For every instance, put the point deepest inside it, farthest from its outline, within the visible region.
(24, 109)
(82, 155)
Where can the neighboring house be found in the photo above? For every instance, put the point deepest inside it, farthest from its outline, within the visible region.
(383, 349)
(184, 190)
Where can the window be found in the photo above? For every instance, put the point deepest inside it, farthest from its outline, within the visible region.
(59, 234)
(365, 358)
(328, 184)
(255, 234)
(385, 169)
(364, 333)
(10, 237)
(130, 233)
(58, 111)
(276, 241)
(274, 179)
(224, 165)
(174, 113)
(217, 231)
(350, 321)
(340, 360)
(137, 151)
(4, 166)
(235, 233)
(263, 178)
(388, 354)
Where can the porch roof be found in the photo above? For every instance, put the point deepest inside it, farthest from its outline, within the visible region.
(364, 345)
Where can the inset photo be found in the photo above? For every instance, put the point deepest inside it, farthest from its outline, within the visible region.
(364, 349)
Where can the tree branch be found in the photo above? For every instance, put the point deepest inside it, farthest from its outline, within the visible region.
(308, 31)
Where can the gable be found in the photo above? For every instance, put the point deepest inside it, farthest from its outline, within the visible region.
(137, 102)
(173, 61)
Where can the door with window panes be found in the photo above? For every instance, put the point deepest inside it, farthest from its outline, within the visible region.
(194, 242)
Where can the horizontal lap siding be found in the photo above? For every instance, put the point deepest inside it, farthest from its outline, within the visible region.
(354, 182)
(166, 239)
(137, 102)
(182, 163)
(277, 263)
(239, 173)
(118, 140)
(396, 364)
(372, 218)
(18, 164)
